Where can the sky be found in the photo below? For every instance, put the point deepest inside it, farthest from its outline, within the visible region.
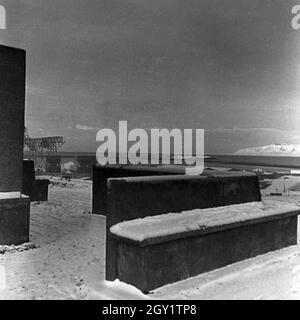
(231, 67)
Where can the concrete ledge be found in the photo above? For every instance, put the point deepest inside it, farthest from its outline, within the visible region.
(150, 264)
(14, 220)
(187, 224)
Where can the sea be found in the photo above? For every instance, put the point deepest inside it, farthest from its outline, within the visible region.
(85, 161)
(270, 163)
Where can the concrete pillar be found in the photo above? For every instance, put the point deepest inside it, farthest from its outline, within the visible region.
(14, 207)
(12, 104)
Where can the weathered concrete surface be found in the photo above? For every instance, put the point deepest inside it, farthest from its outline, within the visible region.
(102, 173)
(139, 197)
(14, 220)
(238, 188)
(12, 103)
(153, 266)
(28, 172)
(14, 212)
(37, 190)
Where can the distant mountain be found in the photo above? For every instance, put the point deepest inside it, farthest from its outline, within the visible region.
(288, 150)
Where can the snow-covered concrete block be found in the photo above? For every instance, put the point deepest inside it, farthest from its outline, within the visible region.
(156, 251)
(140, 197)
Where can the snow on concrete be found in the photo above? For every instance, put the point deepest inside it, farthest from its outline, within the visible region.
(199, 219)
(10, 195)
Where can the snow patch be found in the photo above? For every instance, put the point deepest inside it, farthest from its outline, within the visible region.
(113, 290)
(289, 150)
(198, 219)
(20, 248)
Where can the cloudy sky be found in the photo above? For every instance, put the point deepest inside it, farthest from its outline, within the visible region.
(231, 67)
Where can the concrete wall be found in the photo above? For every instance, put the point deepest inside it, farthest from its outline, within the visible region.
(153, 266)
(132, 198)
(102, 173)
(138, 197)
(12, 103)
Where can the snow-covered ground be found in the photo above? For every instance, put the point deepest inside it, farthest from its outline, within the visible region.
(287, 185)
(67, 247)
(274, 275)
(66, 257)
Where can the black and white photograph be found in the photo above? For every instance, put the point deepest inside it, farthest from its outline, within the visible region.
(149, 150)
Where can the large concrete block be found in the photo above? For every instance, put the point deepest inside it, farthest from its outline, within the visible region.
(37, 190)
(14, 220)
(247, 186)
(28, 176)
(14, 208)
(102, 173)
(152, 266)
(139, 197)
(12, 102)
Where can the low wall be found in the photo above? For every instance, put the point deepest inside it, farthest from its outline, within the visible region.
(139, 197)
(153, 266)
(102, 173)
